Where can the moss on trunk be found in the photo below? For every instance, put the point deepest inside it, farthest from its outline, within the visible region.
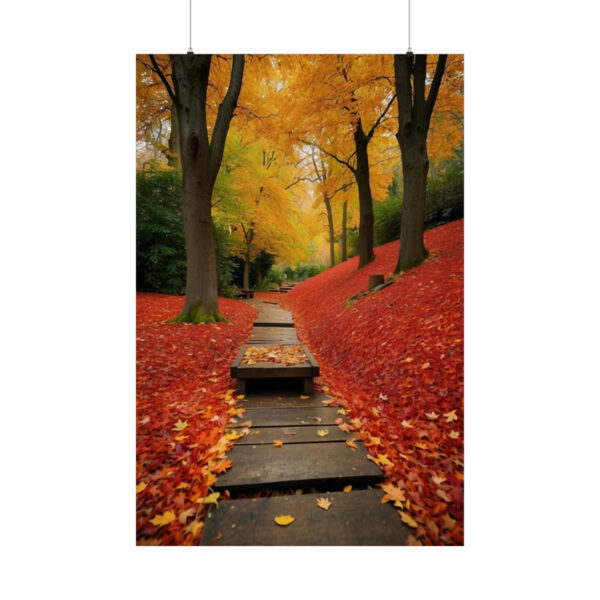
(197, 315)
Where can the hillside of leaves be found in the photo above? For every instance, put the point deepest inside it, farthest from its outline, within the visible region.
(183, 404)
(394, 361)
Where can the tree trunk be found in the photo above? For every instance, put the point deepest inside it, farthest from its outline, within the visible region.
(247, 271)
(200, 161)
(174, 154)
(414, 117)
(343, 251)
(331, 233)
(365, 199)
(415, 165)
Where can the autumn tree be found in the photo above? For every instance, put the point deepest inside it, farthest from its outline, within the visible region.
(415, 109)
(202, 144)
(338, 104)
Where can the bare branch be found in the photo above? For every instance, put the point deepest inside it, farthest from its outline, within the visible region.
(159, 72)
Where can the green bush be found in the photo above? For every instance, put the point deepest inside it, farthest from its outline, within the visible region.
(160, 243)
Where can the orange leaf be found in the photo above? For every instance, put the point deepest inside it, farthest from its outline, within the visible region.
(277, 443)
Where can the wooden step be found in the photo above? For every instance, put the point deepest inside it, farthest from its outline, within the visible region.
(292, 416)
(264, 370)
(298, 465)
(273, 335)
(292, 435)
(357, 518)
(282, 399)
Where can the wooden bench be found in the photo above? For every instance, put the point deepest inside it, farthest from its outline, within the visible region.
(247, 294)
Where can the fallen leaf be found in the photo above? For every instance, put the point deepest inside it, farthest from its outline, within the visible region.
(277, 443)
(392, 493)
(256, 432)
(442, 494)
(432, 415)
(304, 397)
(180, 425)
(140, 487)
(241, 396)
(351, 443)
(210, 499)
(323, 503)
(322, 432)
(194, 527)
(451, 416)
(341, 411)
(222, 466)
(246, 423)
(438, 479)
(164, 519)
(449, 522)
(406, 518)
(144, 420)
(406, 424)
(318, 419)
(284, 520)
(454, 435)
(348, 488)
(425, 365)
(186, 514)
(182, 486)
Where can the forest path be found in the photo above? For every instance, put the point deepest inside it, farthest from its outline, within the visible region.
(291, 454)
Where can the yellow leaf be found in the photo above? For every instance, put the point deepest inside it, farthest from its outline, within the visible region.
(451, 416)
(247, 423)
(341, 411)
(425, 365)
(140, 487)
(406, 424)
(241, 396)
(277, 443)
(422, 446)
(194, 527)
(442, 494)
(304, 397)
(232, 436)
(284, 520)
(438, 479)
(322, 432)
(449, 522)
(210, 499)
(213, 380)
(382, 459)
(182, 486)
(144, 420)
(351, 443)
(432, 415)
(325, 388)
(323, 503)
(454, 435)
(406, 518)
(408, 359)
(180, 425)
(164, 519)
(256, 432)
(348, 488)
(181, 438)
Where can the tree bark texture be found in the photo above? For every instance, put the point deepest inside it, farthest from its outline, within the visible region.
(200, 160)
(343, 251)
(414, 117)
(247, 272)
(365, 198)
(331, 232)
(174, 154)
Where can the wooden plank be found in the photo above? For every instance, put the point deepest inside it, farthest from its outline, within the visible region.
(267, 369)
(292, 435)
(356, 518)
(282, 400)
(292, 416)
(298, 465)
(271, 322)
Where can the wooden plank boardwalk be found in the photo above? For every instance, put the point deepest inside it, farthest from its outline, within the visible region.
(293, 454)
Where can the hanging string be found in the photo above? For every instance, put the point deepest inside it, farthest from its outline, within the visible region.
(409, 51)
(190, 51)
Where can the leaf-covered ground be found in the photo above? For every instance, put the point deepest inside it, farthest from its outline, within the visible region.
(394, 361)
(184, 402)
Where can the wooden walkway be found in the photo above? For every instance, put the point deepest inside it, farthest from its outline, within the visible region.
(310, 460)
